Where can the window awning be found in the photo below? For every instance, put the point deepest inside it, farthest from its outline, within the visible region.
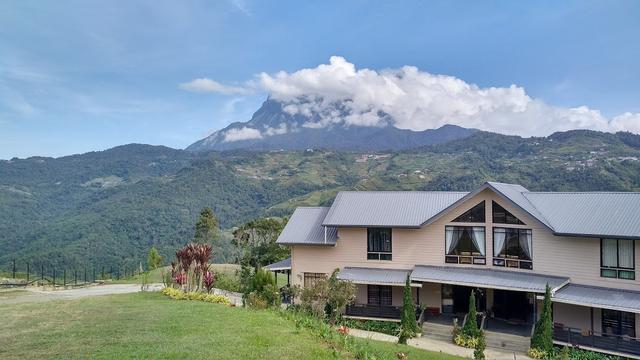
(599, 297)
(487, 278)
(279, 266)
(392, 277)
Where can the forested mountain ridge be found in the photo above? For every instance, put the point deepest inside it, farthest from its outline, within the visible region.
(110, 207)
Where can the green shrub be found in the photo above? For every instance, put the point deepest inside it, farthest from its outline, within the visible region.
(542, 338)
(228, 282)
(385, 327)
(408, 325)
(478, 350)
(470, 327)
(466, 341)
(196, 296)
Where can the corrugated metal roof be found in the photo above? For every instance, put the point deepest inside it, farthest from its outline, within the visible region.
(515, 193)
(590, 213)
(487, 278)
(388, 208)
(359, 275)
(305, 228)
(280, 265)
(614, 299)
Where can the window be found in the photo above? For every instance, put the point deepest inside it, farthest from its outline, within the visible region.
(617, 259)
(465, 245)
(311, 279)
(502, 216)
(379, 295)
(473, 215)
(512, 248)
(379, 244)
(618, 323)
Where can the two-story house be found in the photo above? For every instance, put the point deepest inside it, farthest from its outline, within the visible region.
(502, 241)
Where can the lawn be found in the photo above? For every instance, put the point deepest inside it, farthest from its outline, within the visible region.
(149, 325)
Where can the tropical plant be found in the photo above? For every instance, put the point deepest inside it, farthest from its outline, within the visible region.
(193, 262)
(542, 339)
(208, 280)
(408, 325)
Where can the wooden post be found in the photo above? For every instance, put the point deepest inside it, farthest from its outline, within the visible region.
(54, 277)
(14, 268)
(28, 272)
(64, 277)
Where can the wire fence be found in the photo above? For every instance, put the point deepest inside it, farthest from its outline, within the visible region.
(26, 273)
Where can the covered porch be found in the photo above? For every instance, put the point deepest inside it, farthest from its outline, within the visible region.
(379, 292)
(282, 267)
(599, 319)
(505, 300)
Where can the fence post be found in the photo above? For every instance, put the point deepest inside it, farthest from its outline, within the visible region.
(94, 274)
(64, 277)
(54, 277)
(14, 269)
(28, 272)
(42, 273)
(85, 274)
(75, 276)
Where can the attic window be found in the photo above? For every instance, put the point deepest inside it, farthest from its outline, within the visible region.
(474, 215)
(502, 216)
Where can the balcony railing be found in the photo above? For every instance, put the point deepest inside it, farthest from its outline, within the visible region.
(373, 311)
(596, 340)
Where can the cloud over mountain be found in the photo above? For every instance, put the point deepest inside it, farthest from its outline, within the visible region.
(417, 100)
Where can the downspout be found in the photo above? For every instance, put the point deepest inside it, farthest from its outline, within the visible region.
(325, 234)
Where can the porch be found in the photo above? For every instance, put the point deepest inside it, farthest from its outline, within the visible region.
(597, 341)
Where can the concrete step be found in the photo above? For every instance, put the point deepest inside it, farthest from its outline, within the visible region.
(437, 331)
(507, 341)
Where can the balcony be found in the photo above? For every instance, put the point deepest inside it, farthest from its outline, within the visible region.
(374, 311)
(597, 341)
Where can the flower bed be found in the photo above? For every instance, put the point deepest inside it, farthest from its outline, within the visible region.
(181, 295)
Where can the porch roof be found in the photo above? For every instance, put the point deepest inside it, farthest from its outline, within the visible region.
(370, 276)
(487, 278)
(280, 265)
(599, 297)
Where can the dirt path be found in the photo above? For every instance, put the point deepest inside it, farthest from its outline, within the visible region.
(39, 295)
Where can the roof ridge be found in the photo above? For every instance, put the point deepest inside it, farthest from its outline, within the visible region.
(582, 192)
(403, 191)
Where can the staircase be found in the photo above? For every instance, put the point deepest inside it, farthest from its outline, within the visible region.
(508, 342)
(437, 331)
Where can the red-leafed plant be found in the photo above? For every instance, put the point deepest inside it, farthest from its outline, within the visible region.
(193, 261)
(208, 279)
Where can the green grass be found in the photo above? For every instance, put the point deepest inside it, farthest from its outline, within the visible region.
(149, 325)
(11, 293)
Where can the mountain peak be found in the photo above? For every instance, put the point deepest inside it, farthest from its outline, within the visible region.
(274, 126)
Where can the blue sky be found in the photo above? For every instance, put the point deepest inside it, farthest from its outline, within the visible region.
(78, 76)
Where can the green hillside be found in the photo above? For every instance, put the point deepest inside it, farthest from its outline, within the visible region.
(108, 208)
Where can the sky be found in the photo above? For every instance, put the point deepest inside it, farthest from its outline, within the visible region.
(78, 76)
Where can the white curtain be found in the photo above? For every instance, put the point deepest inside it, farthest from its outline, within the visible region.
(477, 235)
(499, 236)
(609, 253)
(524, 239)
(452, 238)
(625, 254)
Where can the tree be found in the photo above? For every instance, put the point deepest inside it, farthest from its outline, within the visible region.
(340, 294)
(478, 351)
(154, 260)
(207, 227)
(470, 327)
(408, 325)
(542, 338)
(256, 241)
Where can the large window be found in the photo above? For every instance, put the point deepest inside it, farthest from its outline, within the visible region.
(465, 245)
(474, 215)
(310, 279)
(379, 244)
(512, 248)
(618, 323)
(617, 259)
(502, 216)
(379, 295)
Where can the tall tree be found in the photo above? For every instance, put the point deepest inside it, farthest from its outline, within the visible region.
(256, 241)
(207, 227)
(470, 327)
(408, 325)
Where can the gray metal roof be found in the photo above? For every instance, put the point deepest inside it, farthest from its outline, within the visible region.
(614, 214)
(487, 278)
(280, 265)
(388, 208)
(359, 275)
(305, 228)
(516, 194)
(614, 299)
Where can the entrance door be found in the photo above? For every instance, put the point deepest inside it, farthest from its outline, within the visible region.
(512, 305)
(461, 294)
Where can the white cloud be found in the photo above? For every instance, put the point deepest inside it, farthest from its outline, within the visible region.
(412, 99)
(279, 130)
(244, 133)
(208, 85)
